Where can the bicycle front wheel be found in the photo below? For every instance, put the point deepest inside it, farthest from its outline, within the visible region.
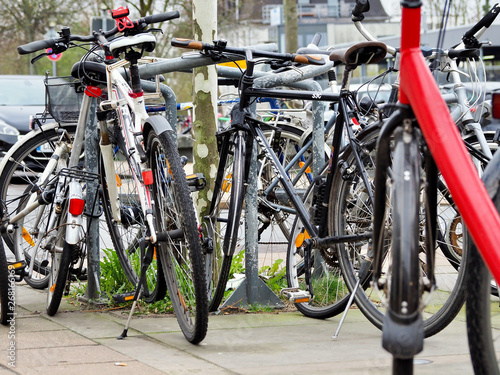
(180, 252)
(404, 287)
(19, 172)
(482, 307)
(223, 222)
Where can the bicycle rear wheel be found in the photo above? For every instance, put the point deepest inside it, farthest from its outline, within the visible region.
(223, 222)
(482, 307)
(330, 291)
(180, 251)
(352, 213)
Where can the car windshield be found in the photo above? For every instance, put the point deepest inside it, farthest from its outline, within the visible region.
(22, 91)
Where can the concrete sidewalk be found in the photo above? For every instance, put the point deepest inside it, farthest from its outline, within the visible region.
(84, 342)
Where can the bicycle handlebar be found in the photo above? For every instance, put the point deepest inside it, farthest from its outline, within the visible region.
(61, 44)
(486, 21)
(220, 47)
(362, 6)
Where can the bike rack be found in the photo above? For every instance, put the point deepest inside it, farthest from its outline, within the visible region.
(93, 291)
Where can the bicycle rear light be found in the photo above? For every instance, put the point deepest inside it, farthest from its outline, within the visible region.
(147, 176)
(76, 206)
(93, 91)
(495, 105)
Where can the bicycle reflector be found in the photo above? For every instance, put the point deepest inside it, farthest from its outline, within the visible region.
(76, 206)
(495, 105)
(147, 176)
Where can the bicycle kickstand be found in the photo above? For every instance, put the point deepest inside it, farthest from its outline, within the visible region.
(364, 268)
(142, 281)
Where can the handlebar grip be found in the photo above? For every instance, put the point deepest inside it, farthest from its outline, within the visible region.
(486, 21)
(36, 46)
(362, 6)
(160, 17)
(316, 39)
(187, 43)
(307, 59)
(311, 51)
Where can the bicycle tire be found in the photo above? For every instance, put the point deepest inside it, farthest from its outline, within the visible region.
(59, 275)
(330, 291)
(482, 307)
(404, 286)
(227, 203)
(352, 213)
(180, 256)
(6, 303)
(21, 166)
(127, 234)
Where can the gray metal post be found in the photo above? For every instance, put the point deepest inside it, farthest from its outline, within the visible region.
(92, 240)
(170, 100)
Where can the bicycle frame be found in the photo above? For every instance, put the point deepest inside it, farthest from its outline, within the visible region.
(122, 99)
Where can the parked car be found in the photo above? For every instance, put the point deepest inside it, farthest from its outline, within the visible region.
(21, 96)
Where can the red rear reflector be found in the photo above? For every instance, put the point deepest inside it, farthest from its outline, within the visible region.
(147, 176)
(76, 206)
(93, 91)
(495, 105)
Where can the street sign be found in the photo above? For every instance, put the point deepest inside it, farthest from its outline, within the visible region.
(53, 56)
(97, 24)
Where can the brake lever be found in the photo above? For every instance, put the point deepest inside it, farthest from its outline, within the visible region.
(36, 58)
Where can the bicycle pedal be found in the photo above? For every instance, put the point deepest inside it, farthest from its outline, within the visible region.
(295, 295)
(196, 182)
(16, 266)
(123, 297)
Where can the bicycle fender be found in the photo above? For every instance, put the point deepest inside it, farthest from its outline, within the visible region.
(73, 229)
(158, 123)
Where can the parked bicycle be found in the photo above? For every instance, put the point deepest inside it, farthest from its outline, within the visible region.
(352, 211)
(146, 198)
(429, 140)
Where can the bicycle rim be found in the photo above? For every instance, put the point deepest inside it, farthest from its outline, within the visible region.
(352, 215)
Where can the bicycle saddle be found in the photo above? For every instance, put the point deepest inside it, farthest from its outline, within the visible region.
(145, 42)
(360, 53)
(90, 72)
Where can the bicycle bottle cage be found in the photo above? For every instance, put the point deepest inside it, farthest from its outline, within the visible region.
(122, 21)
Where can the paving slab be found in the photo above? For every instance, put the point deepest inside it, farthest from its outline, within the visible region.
(83, 342)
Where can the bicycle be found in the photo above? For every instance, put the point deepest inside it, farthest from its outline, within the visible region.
(352, 211)
(158, 206)
(223, 221)
(417, 131)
